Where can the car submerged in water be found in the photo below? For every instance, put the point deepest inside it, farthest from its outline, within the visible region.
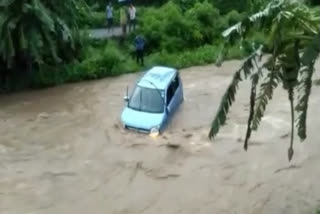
(154, 100)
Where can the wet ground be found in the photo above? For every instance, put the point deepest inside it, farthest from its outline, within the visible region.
(62, 150)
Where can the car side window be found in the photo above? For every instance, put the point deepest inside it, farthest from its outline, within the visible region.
(172, 89)
(176, 83)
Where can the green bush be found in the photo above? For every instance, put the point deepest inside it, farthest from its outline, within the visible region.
(206, 23)
(101, 63)
(225, 6)
(93, 20)
(234, 17)
(98, 19)
(169, 28)
(186, 4)
(203, 55)
(97, 63)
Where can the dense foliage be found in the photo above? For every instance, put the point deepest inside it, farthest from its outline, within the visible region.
(41, 43)
(293, 38)
(171, 29)
(98, 60)
(34, 32)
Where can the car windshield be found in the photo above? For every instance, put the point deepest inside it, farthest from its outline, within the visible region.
(147, 100)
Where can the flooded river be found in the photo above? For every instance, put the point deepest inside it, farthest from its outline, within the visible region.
(62, 150)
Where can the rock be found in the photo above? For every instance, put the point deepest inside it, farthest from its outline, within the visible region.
(173, 145)
(188, 135)
(43, 115)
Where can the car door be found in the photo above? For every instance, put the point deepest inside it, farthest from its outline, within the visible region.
(173, 98)
(179, 91)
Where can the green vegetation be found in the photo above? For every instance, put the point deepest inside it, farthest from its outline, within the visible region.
(41, 44)
(97, 62)
(293, 38)
(172, 29)
(34, 33)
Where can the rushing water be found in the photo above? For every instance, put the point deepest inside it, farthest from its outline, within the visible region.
(62, 150)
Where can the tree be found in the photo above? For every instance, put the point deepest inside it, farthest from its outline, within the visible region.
(33, 32)
(293, 39)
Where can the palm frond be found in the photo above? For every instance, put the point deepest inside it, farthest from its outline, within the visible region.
(310, 54)
(267, 87)
(22, 38)
(248, 22)
(304, 90)
(50, 41)
(312, 51)
(229, 96)
(65, 31)
(10, 51)
(255, 80)
(6, 3)
(291, 99)
(35, 43)
(43, 15)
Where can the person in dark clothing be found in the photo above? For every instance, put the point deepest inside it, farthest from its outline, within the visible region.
(139, 44)
(109, 15)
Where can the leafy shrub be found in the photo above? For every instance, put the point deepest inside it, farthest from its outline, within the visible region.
(233, 17)
(206, 24)
(314, 2)
(186, 4)
(97, 19)
(102, 63)
(98, 63)
(227, 6)
(203, 55)
(169, 28)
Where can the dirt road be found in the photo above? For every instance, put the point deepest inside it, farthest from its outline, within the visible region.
(62, 151)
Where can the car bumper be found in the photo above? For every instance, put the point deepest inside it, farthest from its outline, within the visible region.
(140, 130)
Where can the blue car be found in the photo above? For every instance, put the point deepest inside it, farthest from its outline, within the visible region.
(154, 100)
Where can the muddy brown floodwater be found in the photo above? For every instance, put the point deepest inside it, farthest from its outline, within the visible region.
(62, 150)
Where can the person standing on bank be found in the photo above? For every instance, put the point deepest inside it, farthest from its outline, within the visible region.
(123, 21)
(132, 16)
(109, 11)
(139, 44)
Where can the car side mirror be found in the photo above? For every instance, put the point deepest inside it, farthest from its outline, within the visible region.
(126, 98)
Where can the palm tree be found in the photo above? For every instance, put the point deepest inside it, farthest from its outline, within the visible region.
(292, 47)
(33, 32)
(28, 27)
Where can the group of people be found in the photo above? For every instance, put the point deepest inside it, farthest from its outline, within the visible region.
(128, 19)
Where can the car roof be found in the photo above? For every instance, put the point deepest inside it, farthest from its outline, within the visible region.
(160, 77)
